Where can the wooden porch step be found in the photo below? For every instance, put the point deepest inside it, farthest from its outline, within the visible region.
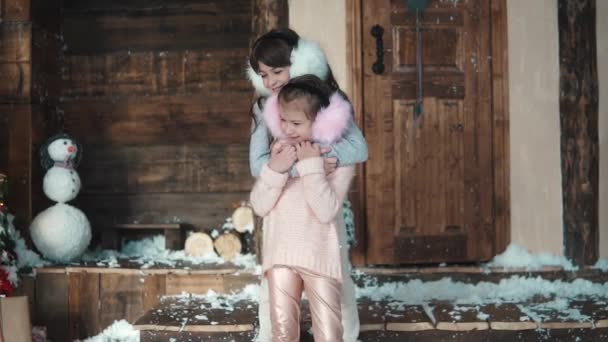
(183, 319)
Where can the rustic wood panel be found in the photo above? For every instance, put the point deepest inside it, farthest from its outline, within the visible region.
(268, 15)
(121, 297)
(19, 161)
(15, 42)
(218, 119)
(194, 283)
(155, 6)
(478, 150)
(441, 48)
(15, 79)
(501, 141)
(149, 73)
(441, 85)
(15, 10)
(155, 286)
(52, 305)
(204, 211)
(453, 114)
(47, 51)
(430, 188)
(378, 126)
(578, 102)
(354, 88)
(163, 169)
(223, 24)
(84, 304)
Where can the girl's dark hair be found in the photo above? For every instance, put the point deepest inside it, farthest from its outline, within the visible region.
(274, 48)
(312, 89)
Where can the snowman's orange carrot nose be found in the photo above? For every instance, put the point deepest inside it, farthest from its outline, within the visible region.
(72, 149)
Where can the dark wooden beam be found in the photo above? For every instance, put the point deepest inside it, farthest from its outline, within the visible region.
(578, 102)
(268, 15)
(15, 105)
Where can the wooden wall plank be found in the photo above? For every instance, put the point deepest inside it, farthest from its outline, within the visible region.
(204, 211)
(148, 73)
(482, 247)
(354, 88)
(163, 30)
(121, 297)
(500, 110)
(156, 6)
(19, 161)
(15, 82)
(194, 283)
(268, 15)
(155, 286)
(15, 42)
(52, 305)
(378, 125)
(47, 53)
(166, 169)
(84, 304)
(15, 10)
(578, 102)
(176, 119)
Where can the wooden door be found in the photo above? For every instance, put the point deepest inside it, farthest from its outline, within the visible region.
(430, 179)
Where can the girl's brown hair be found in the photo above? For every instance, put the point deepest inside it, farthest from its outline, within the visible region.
(310, 88)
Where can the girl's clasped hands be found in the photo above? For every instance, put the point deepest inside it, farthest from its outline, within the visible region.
(283, 155)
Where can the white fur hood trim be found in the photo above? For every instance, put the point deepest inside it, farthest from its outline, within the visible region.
(306, 58)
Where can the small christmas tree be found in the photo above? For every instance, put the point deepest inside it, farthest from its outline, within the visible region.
(8, 258)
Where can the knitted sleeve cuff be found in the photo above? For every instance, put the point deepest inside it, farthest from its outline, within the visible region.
(310, 165)
(272, 178)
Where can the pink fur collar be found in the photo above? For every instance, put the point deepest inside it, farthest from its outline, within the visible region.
(329, 126)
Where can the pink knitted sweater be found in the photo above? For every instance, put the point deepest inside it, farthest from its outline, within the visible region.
(303, 223)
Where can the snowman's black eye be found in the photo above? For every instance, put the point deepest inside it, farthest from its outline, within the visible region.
(65, 142)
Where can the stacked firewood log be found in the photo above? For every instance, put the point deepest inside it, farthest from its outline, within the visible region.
(233, 238)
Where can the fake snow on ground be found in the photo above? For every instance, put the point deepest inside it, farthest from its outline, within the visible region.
(516, 289)
(151, 252)
(120, 331)
(516, 256)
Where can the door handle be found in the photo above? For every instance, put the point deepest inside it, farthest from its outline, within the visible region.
(377, 32)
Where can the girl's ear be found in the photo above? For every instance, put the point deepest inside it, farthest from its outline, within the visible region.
(308, 58)
(257, 82)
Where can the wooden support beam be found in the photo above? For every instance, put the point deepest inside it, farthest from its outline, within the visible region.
(268, 15)
(578, 101)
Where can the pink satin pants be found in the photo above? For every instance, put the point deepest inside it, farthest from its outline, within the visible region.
(285, 285)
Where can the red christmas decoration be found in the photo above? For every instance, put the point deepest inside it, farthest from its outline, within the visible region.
(5, 286)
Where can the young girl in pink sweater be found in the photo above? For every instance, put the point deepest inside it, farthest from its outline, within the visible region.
(304, 240)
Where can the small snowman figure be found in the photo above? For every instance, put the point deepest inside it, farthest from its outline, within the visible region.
(61, 232)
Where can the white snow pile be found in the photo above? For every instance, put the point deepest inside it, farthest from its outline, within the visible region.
(558, 294)
(151, 251)
(514, 289)
(119, 331)
(602, 264)
(516, 256)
